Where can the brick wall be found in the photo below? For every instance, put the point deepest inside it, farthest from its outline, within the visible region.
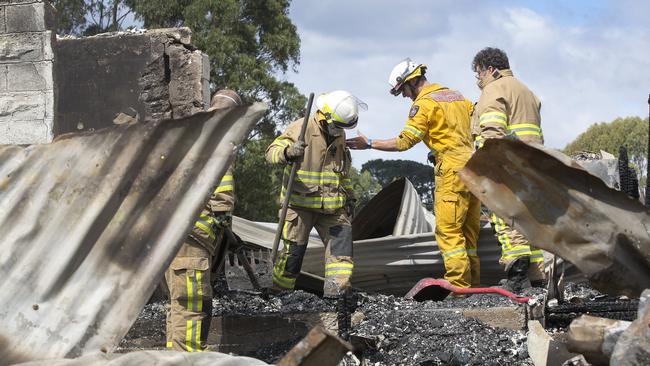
(27, 86)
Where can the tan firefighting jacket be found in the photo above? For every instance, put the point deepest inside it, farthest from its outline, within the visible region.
(221, 201)
(507, 107)
(322, 181)
(439, 117)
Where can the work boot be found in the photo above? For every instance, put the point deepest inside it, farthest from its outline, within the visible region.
(517, 275)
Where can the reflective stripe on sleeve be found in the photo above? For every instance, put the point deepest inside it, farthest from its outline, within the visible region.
(207, 224)
(417, 133)
(226, 184)
(493, 117)
(525, 129)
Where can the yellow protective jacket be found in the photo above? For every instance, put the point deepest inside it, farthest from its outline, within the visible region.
(322, 181)
(507, 107)
(440, 117)
(221, 201)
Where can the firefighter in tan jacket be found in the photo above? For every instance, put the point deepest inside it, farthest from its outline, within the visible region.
(188, 277)
(440, 118)
(322, 194)
(507, 108)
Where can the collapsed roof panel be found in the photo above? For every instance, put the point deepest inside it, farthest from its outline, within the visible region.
(89, 223)
(382, 216)
(562, 208)
(385, 262)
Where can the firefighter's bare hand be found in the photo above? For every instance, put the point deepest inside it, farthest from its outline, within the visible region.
(295, 152)
(358, 143)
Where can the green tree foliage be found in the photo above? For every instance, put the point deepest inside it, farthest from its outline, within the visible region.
(89, 17)
(365, 186)
(257, 185)
(251, 45)
(631, 132)
(421, 175)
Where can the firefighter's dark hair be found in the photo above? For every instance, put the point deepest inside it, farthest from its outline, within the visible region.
(490, 56)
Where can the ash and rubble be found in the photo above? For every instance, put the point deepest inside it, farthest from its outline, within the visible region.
(404, 332)
(408, 334)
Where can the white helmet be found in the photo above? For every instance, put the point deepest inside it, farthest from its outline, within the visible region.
(340, 108)
(403, 72)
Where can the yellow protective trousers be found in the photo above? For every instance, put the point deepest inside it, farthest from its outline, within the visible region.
(457, 213)
(336, 233)
(190, 292)
(514, 245)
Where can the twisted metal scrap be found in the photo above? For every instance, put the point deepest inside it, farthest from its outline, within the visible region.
(89, 223)
(563, 209)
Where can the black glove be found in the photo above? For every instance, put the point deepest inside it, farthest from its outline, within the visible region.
(295, 152)
(350, 207)
(222, 219)
(432, 158)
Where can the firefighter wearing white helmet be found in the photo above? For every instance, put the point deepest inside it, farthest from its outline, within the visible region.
(321, 195)
(440, 118)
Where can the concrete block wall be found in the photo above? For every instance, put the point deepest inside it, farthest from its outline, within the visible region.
(27, 80)
(150, 75)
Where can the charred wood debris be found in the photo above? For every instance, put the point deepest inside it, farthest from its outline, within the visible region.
(390, 330)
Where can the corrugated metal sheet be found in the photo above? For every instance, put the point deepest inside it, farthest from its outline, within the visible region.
(387, 263)
(89, 223)
(562, 208)
(153, 358)
(395, 210)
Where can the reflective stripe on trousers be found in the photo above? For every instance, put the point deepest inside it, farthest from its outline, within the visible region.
(509, 250)
(280, 276)
(338, 268)
(194, 303)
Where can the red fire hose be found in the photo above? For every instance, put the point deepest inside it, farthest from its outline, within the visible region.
(433, 289)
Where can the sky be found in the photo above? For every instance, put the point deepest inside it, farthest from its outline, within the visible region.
(588, 61)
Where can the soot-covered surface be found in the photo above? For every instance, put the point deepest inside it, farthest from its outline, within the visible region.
(408, 333)
(404, 332)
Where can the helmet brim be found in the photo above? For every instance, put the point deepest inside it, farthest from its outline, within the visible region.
(397, 89)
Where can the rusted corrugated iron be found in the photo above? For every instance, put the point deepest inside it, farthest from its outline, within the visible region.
(562, 208)
(89, 223)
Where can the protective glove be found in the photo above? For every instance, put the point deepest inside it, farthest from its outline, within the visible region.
(222, 219)
(295, 152)
(350, 208)
(432, 158)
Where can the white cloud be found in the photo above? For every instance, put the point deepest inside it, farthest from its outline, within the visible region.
(586, 66)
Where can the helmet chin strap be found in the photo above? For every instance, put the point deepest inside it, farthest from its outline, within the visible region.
(333, 130)
(411, 89)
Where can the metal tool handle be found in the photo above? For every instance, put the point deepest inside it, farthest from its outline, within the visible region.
(236, 245)
(292, 176)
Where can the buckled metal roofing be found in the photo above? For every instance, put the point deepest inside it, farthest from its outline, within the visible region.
(89, 223)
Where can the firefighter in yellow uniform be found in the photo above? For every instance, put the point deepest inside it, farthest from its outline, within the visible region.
(507, 108)
(321, 195)
(188, 277)
(440, 117)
